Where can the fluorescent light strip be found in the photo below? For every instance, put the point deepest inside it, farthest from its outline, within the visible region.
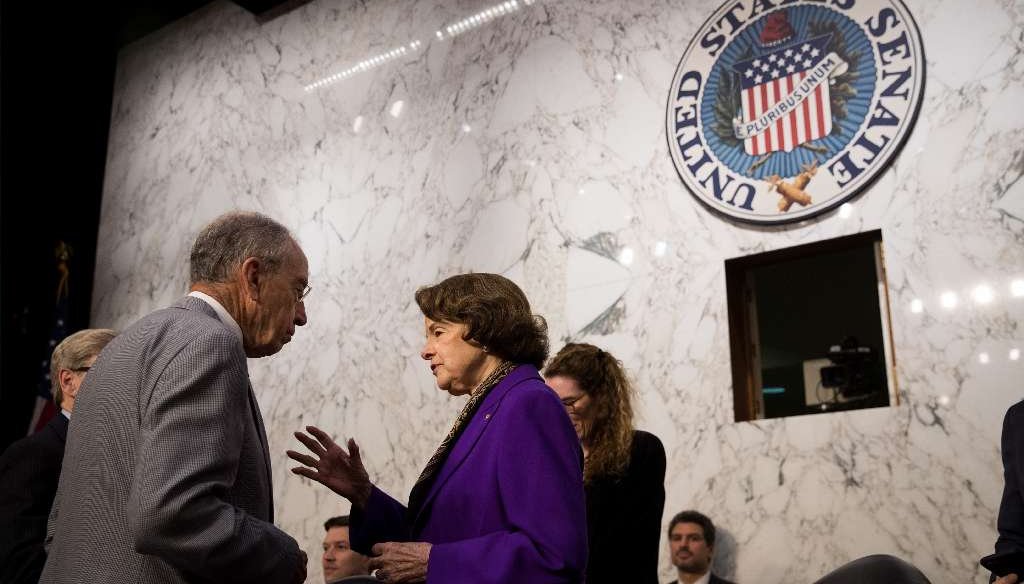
(452, 30)
(484, 16)
(366, 65)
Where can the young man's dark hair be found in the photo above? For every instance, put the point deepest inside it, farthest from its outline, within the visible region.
(698, 518)
(340, 521)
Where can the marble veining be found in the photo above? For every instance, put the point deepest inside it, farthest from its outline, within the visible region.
(531, 145)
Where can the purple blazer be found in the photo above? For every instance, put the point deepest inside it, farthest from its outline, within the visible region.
(508, 505)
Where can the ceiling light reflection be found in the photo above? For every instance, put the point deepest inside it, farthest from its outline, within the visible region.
(357, 124)
(660, 248)
(452, 30)
(948, 300)
(1017, 288)
(366, 64)
(466, 128)
(983, 294)
(943, 400)
(626, 256)
(845, 210)
(486, 15)
(396, 108)
(916, 306)
(1014, 354)
(983, 358)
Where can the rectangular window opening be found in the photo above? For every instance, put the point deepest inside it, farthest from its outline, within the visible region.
(809, 329)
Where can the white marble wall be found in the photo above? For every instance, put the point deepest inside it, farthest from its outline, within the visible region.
(533, 145)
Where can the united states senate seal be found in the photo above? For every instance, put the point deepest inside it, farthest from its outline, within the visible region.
(781, 110)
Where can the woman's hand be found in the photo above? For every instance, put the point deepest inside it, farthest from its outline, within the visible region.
(340, 471)
(400, 562)
(1007, 579)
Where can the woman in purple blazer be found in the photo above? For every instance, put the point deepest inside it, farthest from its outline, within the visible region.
(501, 500)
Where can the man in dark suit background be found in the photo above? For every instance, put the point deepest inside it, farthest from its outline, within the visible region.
(166, 478)
(1011, 508)
(30, 467)
(691, 540)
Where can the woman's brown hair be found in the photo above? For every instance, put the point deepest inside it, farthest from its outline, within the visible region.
(495, 311)
(610, 436)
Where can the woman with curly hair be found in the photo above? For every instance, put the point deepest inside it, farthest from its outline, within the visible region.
(624, 468)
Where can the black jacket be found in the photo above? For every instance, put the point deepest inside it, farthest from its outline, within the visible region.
(624, 517)
(30, 469)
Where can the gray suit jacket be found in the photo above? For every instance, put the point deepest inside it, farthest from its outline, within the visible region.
(166, 475)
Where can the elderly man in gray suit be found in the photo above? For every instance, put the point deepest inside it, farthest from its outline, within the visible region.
(166, 477)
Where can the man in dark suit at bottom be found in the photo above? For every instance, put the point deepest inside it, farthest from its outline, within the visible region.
(691, 540)
(30, 467)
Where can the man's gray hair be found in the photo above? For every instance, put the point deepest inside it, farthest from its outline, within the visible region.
(223, 245)
(74, 352)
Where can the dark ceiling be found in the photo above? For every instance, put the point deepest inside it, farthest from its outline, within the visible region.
(57, 64)
(134, 20)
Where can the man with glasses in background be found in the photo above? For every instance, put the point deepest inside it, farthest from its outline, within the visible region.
(30, 467)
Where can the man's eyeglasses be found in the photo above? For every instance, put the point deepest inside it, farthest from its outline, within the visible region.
(570, 402)
(300, 295)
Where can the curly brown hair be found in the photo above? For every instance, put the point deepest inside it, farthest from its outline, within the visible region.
(609, 436)
(496, 314)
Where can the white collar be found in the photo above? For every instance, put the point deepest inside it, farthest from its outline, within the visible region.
(705, 579)
(222, 314)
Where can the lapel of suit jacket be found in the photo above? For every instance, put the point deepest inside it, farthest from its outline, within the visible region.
(474, 431)
(193, 303)
(261, 431)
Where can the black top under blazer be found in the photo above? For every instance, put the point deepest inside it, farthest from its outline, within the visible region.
(624, 517)
(1011, 509)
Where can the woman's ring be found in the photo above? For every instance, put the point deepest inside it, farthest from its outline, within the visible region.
(378, 575)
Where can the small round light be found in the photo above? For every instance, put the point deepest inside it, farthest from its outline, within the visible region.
(948, 300)
(1017, 288)
(626, 257)
(396, 108)
(983, 294)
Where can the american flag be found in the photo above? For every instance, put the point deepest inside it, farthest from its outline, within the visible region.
(45, 408)
(775, 79)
